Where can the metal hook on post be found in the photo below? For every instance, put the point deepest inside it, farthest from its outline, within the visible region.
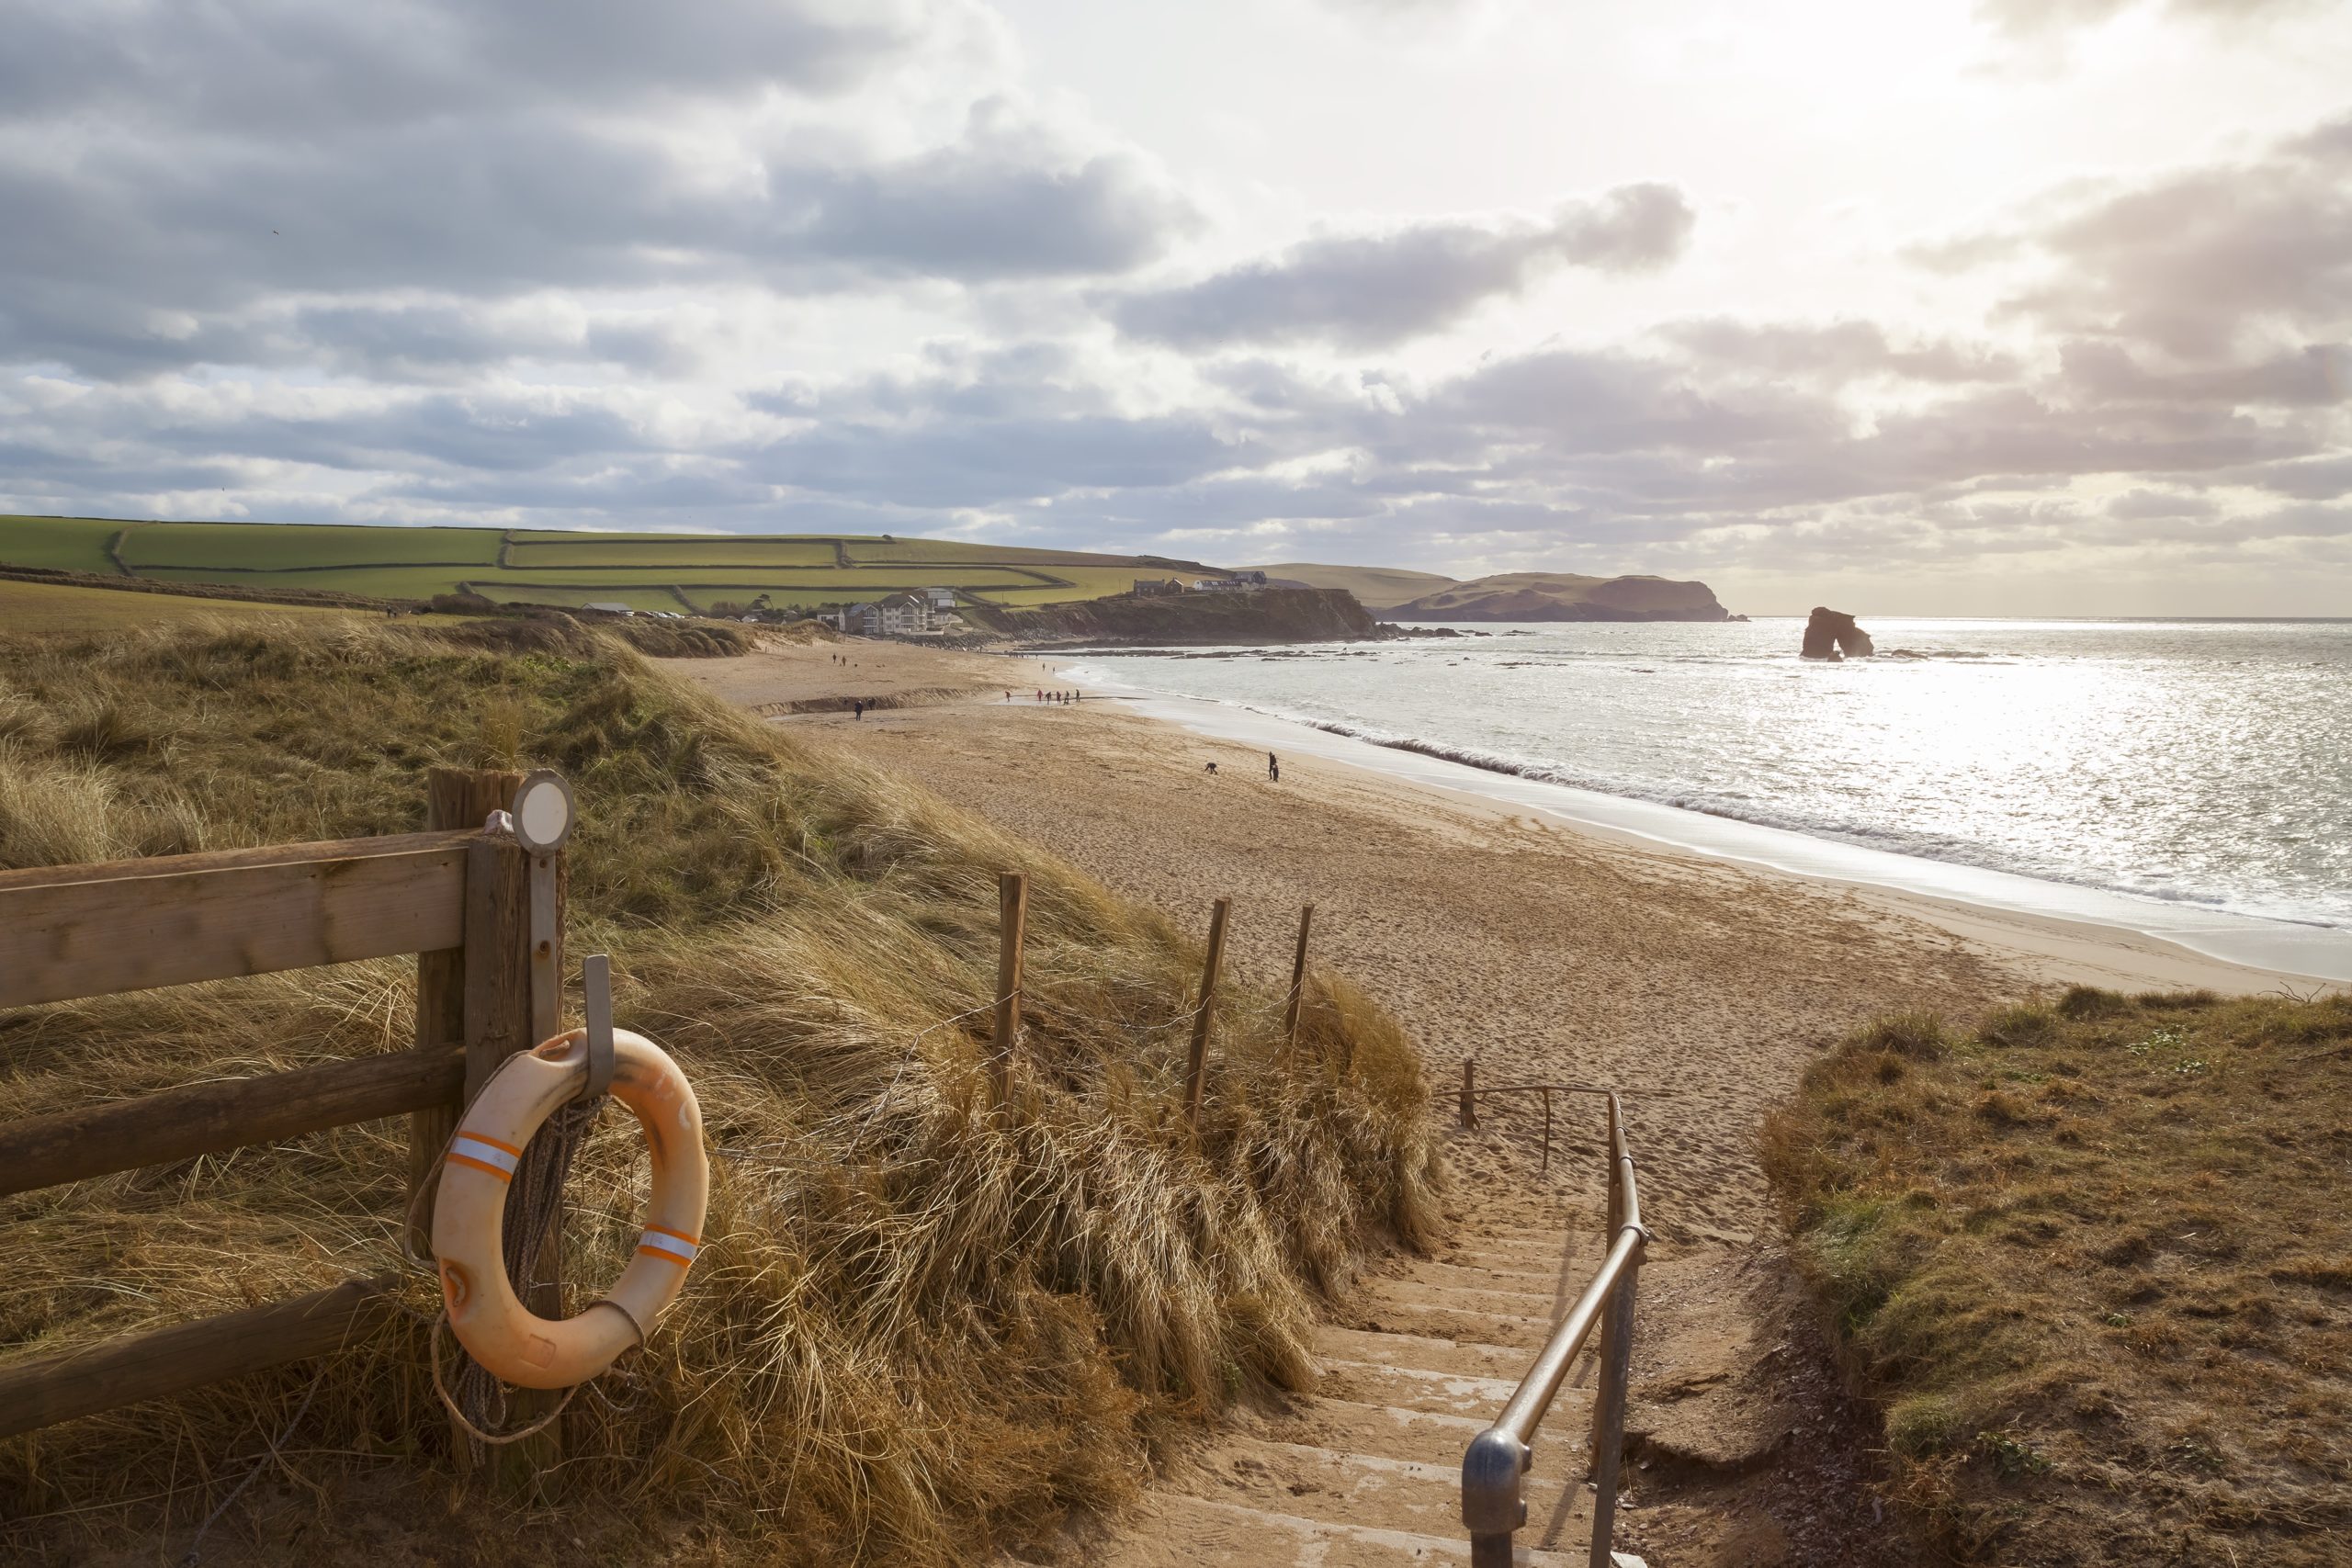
(596, 985)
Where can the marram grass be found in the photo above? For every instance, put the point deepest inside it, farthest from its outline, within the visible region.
(917, 1332)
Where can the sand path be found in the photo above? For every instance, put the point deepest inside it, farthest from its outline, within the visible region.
(1699, 989)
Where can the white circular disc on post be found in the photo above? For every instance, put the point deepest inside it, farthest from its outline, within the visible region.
(543, 811)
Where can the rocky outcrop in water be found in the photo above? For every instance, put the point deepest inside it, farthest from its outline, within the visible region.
(1831, 634)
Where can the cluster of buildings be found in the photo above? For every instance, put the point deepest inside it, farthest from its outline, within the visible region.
(1158, 587)
(923, 611)
(913, 614)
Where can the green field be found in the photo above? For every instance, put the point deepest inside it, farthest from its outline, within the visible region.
(41, 608)
(541, 566)
(60, 544)
(594, 551)
(254, 546)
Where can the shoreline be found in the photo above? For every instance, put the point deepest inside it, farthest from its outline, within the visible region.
(2054, 932)
(2005, 908)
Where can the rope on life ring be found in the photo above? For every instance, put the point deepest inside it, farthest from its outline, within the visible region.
(503, 1337)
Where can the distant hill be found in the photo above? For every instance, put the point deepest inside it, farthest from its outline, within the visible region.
(1563, 596)
(1375, 587)
(644, 571)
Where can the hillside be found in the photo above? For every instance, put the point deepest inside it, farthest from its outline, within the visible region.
(683, 572)
(1376, 588)
(1267, 614)
(916, 1335)
(1565, 596)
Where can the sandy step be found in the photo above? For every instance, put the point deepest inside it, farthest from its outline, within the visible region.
(1424, 1352)
(1412, 1388)
(1208, 1532)
(1442, 1320)
(1418, 1497)
(1494, 1296)
(1545, 1285)
(1387, 1431)
(1537, 1255)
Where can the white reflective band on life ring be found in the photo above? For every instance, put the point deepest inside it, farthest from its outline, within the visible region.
(668, 1245)
(485, 1154)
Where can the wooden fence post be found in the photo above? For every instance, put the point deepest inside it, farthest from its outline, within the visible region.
(455, 798)
(1297, 978)
(1011, 921)
(500, 1004)
(1469, 1091)
(1196, 1067)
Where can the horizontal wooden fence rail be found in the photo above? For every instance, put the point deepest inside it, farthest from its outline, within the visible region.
(190, 1355)
(130, 925)
(482, 913)
(213, 1118)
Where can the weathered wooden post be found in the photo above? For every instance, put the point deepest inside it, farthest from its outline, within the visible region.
(513, 958)
(1196, 1067)
(1297, 979)
(456, 799)
(1011, 921)
(1469, 1091)
(1547, 1129)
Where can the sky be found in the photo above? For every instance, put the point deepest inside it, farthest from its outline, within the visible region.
(1943, 307)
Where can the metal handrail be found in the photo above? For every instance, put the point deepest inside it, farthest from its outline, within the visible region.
(1492, 1507)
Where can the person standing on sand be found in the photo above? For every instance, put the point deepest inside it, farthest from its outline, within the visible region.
(859, 709)
(1273, 769)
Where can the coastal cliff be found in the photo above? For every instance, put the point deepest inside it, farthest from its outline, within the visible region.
(1565, 596)
(1259, 615)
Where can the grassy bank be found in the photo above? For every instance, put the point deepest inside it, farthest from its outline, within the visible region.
(2095, 1260)
(913, 1336)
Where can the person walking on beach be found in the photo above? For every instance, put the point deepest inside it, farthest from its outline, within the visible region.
(1273, 769)
(859, 709)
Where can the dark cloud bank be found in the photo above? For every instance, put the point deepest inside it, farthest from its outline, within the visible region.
(428, 260)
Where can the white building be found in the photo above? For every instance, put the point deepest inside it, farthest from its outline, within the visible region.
(901, 614)
(608, 606)
(939, 598)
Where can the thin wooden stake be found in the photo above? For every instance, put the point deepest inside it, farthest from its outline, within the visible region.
(1011, 924)
(1469, 1091)
(1547, 1129)
(1196, 1069)
(1297, 978)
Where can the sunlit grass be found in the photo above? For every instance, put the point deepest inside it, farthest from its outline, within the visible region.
(2095, 1259)
(916, 1334)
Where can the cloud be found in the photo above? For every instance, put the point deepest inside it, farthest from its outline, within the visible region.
(2207, 261)
(175, 176)
(2034, 18)
(1362, 292)
(827, 264)
(1837, 351)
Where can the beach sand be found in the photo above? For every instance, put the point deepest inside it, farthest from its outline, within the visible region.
(1699, 988)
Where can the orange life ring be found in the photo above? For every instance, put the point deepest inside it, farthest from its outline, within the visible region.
(505, 1337)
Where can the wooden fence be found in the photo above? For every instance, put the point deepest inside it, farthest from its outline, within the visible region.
(485, 917)
(488, 986)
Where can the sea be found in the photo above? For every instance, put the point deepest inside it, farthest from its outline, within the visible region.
(2191, 779)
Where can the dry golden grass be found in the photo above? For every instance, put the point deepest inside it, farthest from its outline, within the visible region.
(2096, 1260)
(915, 1335)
